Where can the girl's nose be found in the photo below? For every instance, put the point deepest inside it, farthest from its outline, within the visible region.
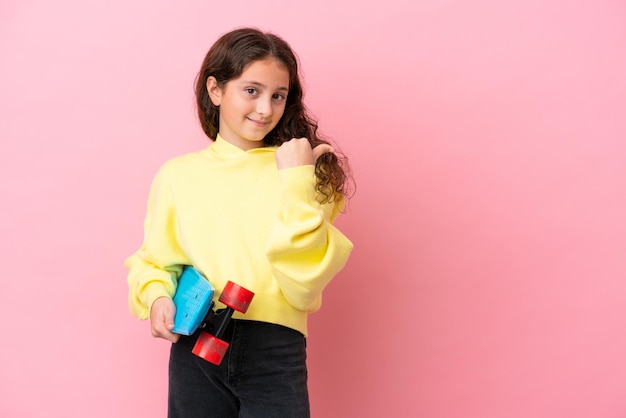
(264, 107)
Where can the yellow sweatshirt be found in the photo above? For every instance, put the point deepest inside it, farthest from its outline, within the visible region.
(234, 216)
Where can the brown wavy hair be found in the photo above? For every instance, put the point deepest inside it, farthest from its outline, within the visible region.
(227, 59)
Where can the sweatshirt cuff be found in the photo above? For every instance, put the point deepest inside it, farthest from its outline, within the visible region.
(299, 184)
(152, 292)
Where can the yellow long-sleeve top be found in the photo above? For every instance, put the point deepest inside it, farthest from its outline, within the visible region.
(234, 216)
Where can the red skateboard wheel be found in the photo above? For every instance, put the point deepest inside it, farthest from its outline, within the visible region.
(236, 297)
(210, 348)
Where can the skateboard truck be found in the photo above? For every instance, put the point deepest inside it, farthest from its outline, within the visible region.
(193, 300)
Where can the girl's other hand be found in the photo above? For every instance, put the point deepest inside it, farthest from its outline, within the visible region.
(298, 152)
(162, 319)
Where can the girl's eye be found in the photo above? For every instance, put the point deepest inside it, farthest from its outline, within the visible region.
(278, 97)
(251, 91)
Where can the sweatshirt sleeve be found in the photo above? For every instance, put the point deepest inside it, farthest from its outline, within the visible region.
(153, 269)
(305, 250)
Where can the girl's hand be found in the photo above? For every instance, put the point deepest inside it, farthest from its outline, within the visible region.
(162, 319)
(298, 152)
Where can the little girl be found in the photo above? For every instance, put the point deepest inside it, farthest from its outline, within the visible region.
(256, 208)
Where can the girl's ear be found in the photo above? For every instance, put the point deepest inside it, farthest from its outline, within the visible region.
(215, 92)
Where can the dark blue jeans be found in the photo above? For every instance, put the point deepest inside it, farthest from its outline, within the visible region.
(263, 375)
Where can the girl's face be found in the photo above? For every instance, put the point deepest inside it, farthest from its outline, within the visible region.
(252, 104)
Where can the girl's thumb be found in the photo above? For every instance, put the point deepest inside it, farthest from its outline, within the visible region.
(322, 149)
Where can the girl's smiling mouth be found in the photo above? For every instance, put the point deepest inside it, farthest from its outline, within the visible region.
(258, 123)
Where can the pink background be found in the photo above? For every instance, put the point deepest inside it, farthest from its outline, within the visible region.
(488, 141)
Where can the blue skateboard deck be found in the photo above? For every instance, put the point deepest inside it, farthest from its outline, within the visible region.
(193, 298)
